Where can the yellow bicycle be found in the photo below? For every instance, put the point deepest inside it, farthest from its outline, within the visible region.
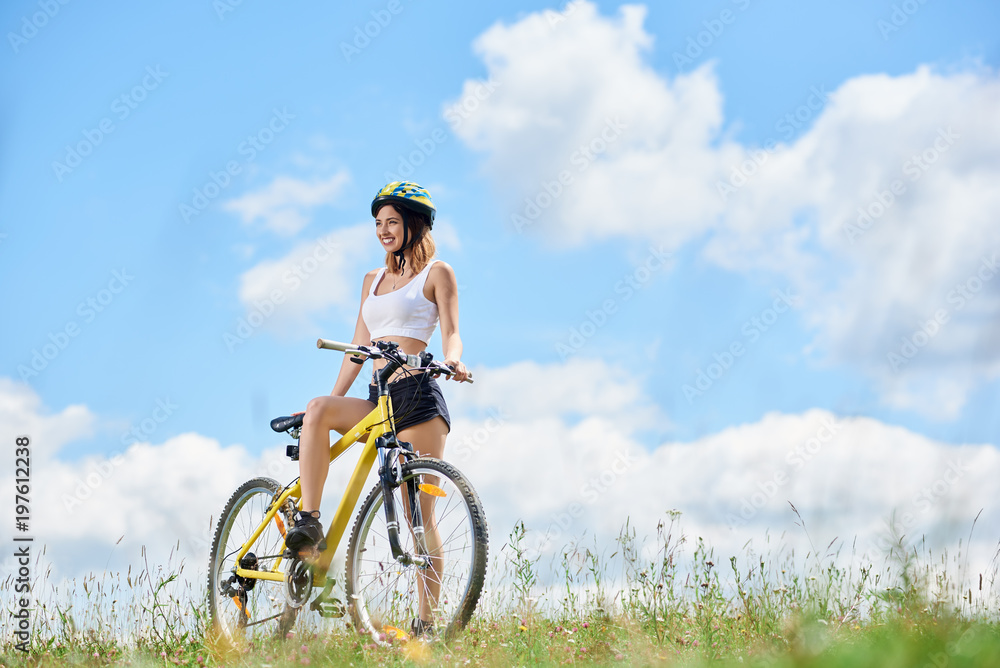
(433, 561)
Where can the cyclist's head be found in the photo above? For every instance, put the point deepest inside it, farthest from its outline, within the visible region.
(414, 205)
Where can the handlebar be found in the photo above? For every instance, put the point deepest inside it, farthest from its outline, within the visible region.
(385, 349)
(336, 345)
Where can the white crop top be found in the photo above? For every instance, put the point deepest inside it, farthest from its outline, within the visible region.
(403, 312)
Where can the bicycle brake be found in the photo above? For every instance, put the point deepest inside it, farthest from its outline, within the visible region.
(227, 589)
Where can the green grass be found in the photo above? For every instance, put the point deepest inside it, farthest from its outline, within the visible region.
(635, 603)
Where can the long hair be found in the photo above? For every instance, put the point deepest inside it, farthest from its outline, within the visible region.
(423, 249)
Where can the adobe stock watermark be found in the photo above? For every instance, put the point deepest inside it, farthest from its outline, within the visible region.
(624, 290)
(37, 20)
(751, 330)
(795, 460)
(469, 104)
(455, 114)
(922, 503)
(581, 158)
(741, 174)
(473, 443)
(697, 44)
(122, 107)
(590, 493)
(566, 10)
(84, 489)
(101, 471)
(292, 280)
(899, 17)
(959, 296)
(914, 168)
(372, 29)
(248, 148)
(223, 7)
(88, 310)
(951, 650)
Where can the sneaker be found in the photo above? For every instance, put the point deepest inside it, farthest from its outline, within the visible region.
(307, 532)
(419, 627)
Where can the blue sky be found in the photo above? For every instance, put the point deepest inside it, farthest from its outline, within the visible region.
(332, 126)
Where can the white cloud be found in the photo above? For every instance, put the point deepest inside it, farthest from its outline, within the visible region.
(539, 443)
(532, 457)
(284, 206)
(869, 282)
(22, 414)
(555, 83)
(316, 277)
(163, 497)
(640, 154)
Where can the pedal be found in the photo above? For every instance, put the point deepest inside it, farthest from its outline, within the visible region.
(328, 606)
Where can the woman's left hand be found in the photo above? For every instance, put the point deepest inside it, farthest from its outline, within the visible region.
(461, 373)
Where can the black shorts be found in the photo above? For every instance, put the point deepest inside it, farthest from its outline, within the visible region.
(415, 399)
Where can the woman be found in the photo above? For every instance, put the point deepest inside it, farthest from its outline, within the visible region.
(400, 302)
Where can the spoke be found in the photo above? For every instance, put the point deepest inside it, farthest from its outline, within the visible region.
(383, 589)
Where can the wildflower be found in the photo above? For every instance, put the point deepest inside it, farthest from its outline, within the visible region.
(586, 625)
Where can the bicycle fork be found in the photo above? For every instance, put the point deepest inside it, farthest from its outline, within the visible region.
(390, 454)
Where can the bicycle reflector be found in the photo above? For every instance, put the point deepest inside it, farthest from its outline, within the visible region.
(433, 490)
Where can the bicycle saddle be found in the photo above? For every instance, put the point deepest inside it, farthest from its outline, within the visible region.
(280, 424)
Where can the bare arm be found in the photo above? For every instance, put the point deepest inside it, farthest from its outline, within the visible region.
(446, 297)
(348, 369)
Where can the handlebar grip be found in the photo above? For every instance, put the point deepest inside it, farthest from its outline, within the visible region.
(467, 380)
(336, 345)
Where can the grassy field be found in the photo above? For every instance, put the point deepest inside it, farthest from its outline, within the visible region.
(662, 602)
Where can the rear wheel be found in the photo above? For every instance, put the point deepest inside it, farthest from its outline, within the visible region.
(247, 608)
(385, 596)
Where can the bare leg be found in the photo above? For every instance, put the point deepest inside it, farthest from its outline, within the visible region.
(322, 415)
(428, 438)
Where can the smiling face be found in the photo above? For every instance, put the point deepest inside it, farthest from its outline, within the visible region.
(389, 228)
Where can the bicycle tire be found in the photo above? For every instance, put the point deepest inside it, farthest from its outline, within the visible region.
(382, 594)
(266, 612)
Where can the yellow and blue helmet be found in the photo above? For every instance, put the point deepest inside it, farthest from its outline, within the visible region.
(408, 194)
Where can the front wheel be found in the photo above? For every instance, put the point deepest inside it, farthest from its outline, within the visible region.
(385, 596)
(243, 608)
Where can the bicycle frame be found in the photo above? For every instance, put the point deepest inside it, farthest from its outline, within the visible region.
(375, 424)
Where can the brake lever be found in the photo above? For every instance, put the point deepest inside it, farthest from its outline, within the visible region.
(436, 371)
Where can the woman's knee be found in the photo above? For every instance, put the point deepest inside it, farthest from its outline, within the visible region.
(317, 412)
